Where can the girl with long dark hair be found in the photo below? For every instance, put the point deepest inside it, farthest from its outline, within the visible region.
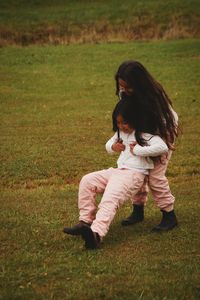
(153, 113)
(117, 184)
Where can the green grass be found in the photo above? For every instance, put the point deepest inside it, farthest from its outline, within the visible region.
(79, 12)
(56, 105)
(64, 21)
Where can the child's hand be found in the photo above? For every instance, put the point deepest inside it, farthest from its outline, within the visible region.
(132, 147)
(120, 141)
(118, 146)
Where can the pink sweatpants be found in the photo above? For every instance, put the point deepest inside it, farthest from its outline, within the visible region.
(118, 186)
(158, 185)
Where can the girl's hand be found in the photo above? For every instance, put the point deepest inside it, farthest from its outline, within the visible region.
(132, 147)
(118, 146)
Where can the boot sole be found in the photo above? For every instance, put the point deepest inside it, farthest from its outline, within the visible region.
(128, 223)
(72, 232)
(159, 229)
(75, 230)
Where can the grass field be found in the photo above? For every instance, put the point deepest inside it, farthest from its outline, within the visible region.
(67, 21)
(56, 105)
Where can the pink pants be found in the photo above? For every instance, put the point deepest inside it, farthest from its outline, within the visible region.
(159, 186)
(117, 184)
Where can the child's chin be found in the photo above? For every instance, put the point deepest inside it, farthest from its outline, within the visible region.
(128, 131)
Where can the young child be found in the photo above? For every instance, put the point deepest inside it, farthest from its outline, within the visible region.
(153, 114)
(116, 184)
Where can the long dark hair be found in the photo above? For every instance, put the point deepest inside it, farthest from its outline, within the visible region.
(149, 100)
(126, 110)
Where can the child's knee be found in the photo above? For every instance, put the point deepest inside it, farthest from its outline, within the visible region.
(158, 181)
(89, 182)
(86, 180)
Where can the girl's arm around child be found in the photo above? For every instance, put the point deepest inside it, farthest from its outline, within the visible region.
(155, 146)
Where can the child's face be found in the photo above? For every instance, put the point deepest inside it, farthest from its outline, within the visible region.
(123, 125)
(123, 87)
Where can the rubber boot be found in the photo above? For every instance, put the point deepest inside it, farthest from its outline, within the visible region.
(76, 229)
(168, 222)
(136, 216)
(92, 239)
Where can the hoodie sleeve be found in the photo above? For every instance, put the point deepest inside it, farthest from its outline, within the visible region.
(109, 144)
(156, 146)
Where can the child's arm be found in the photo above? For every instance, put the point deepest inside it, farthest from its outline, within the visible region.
(156, 147)
(114, 145)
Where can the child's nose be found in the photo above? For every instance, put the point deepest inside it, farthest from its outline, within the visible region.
(122, 89)
(123, 127)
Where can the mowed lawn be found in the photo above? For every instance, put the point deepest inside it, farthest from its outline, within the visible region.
(56, 105)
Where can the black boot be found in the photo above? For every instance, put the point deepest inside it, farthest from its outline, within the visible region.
(91, 238)
(75, 230)
(136, 216)
(168, 222)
